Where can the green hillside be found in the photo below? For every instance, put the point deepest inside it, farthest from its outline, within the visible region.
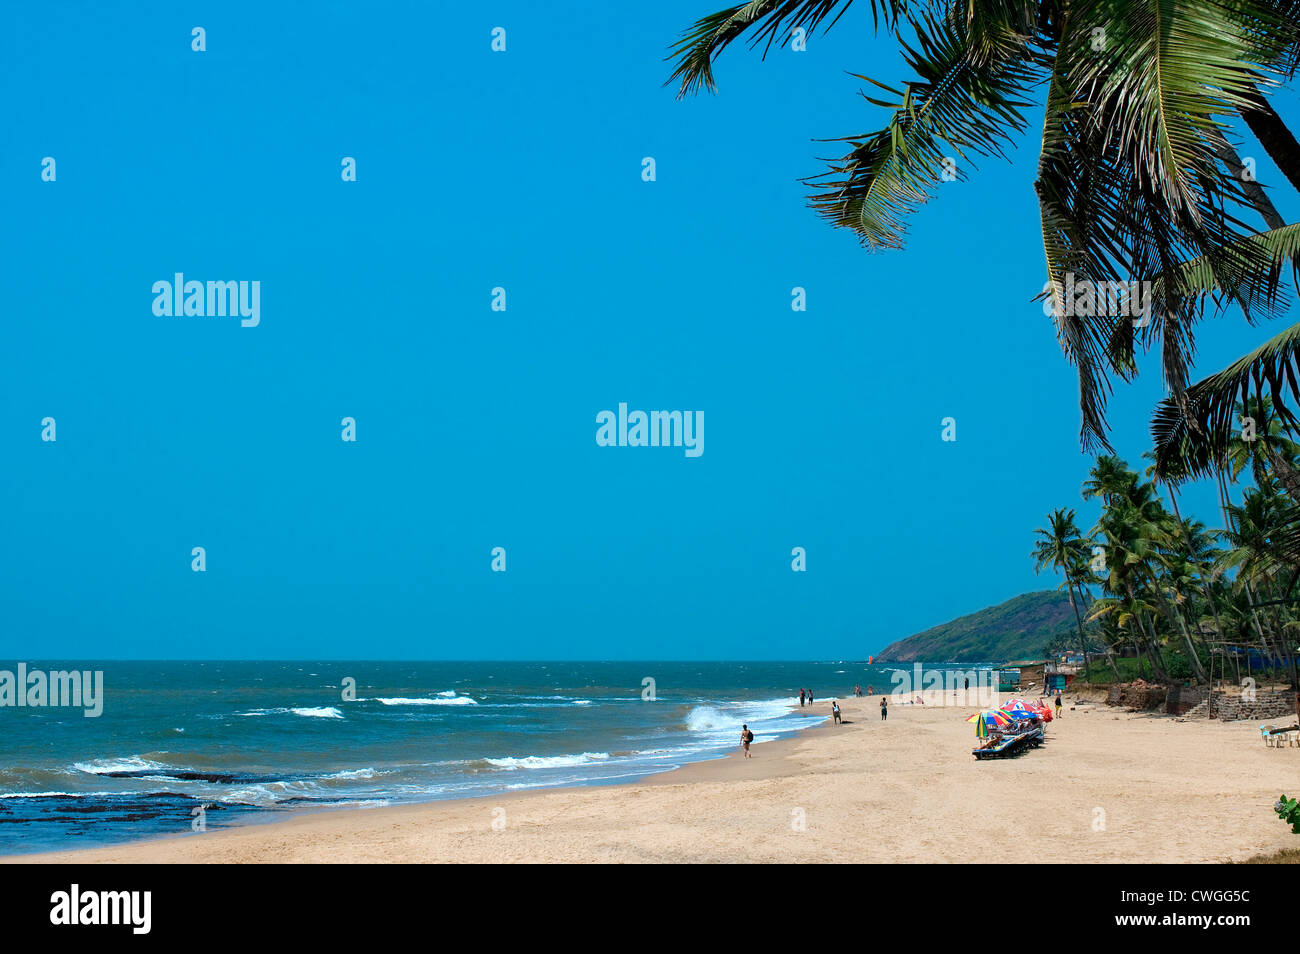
(1018, 629)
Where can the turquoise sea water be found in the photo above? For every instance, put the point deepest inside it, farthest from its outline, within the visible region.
(245, 741)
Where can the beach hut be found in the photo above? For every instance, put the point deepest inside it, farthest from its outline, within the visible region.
(1008, 680)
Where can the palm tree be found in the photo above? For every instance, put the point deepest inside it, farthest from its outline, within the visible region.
(1140, 537)
(1196, 551)
(1061, 547)
(1137, 180)
(1254, 553)
(1109, 478)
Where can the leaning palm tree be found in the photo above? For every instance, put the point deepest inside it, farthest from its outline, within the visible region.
(1061, 547)
(1193, 548)
(1138, 181)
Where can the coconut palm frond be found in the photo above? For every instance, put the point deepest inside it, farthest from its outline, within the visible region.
(767, 21)
(976, 76)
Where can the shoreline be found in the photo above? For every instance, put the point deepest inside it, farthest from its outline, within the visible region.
(262, 819)
(901, 791)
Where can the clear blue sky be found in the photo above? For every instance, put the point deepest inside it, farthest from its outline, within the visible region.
(476, 428)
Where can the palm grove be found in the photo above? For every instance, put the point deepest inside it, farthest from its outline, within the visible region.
(1148, 107)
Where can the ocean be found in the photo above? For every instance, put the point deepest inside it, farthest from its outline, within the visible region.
(184, 746)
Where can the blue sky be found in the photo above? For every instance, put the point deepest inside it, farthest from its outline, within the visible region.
(476, 428)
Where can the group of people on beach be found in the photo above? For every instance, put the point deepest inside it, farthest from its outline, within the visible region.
(806, 698)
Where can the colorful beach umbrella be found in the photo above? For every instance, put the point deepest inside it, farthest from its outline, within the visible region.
(1020, 709)
(1044, 711)
(989, 719)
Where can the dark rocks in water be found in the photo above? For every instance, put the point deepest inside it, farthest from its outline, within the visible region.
(182, 775)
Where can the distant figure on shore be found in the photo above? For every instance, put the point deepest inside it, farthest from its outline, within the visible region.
(966, 684)
(835, 711)
(1058, 704)
(871, 690)
(746, 737)
(884, 707)
(809, 697)
(801, 697)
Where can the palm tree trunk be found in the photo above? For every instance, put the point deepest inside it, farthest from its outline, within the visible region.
(1158, 670)
(1229, 525)
(1083, 643)
(1176, 621)
(1137, 654)
(1274, 136)
(1254, 191)
(1205, 584)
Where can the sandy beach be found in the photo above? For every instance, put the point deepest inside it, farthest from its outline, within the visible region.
(1108, 786)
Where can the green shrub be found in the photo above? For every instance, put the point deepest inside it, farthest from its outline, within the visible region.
(1288, 809)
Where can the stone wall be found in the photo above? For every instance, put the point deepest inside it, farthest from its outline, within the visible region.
(1182, 699)
(1266, 706)
(1196, 702)
(1136, 695)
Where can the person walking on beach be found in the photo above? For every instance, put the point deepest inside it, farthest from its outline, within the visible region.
(835, 711)
(884, 708)
(801, 695)
(746, 737)
(1058, 703)
(809, 697)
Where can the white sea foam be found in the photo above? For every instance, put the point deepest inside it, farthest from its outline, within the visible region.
(731, 715)
(318, 712)
(442, 700)
(57, 794)
(549, 761)
(709, 719)
(248, 796)
(711, 726)
(352, 773)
